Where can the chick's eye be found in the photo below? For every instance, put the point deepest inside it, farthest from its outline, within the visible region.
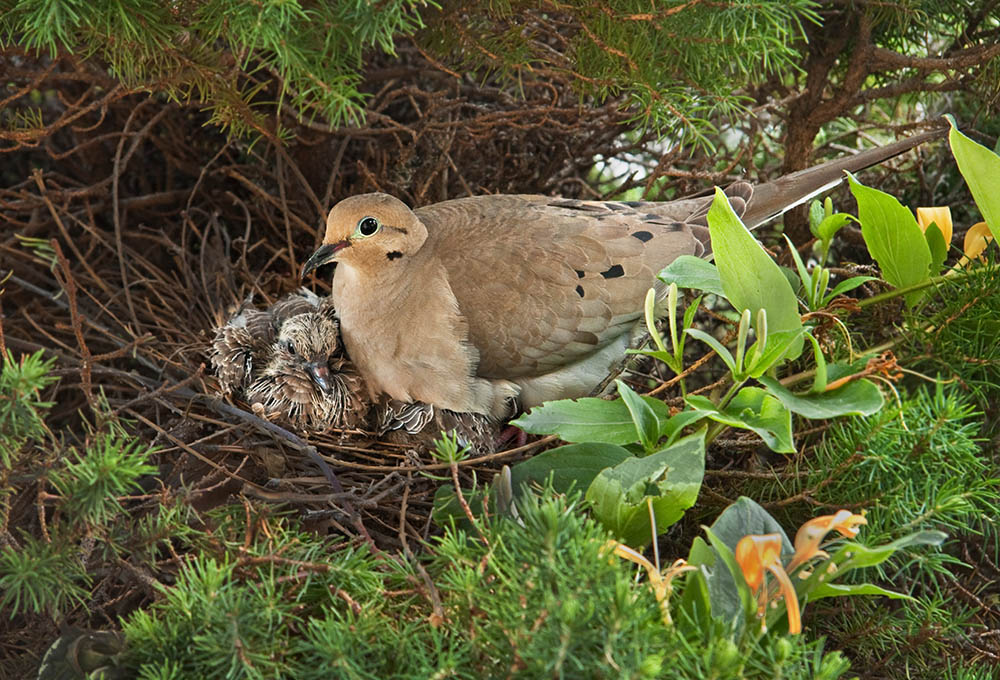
(368, 226)
(290, 347)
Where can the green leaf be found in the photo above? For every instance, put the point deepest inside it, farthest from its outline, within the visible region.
(688, 271)
(643, 416)
(669, 479)
(744, 517)
(856, 398)
(741, 518)
(752, 409)
(588, 420)
(571, 466)
(849, 284)
(824, 590)
(728, 591)
(719, 348)
(858, 555)
(778, 343)
(749, 276)
(678, 422)
(937, 246)
(980, 167)
(893, 238)
(831, 225)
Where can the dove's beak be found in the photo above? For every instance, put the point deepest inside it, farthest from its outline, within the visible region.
(324, 254)
(320, 374)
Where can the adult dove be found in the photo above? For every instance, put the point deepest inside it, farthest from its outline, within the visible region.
(473, 303)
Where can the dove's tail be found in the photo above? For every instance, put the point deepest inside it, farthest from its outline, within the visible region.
(772, 199)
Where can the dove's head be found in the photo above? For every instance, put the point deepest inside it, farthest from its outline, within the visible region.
(368, 232)
(306, 342)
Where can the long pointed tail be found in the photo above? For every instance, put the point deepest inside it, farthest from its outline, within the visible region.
(774, 198)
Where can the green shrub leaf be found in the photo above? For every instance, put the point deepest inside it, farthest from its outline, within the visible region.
(893, 238)
(669, 480)
(749, 276)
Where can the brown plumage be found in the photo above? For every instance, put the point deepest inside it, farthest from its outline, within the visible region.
(243, 344)
(418, 425)
(471, 303)
(288, 359)
(305, 380)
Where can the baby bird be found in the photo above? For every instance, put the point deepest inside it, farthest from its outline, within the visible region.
(306, 379)
(416, 424)
(289, 361)
(243, 344)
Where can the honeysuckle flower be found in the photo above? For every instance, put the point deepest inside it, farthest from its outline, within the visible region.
(941, 216)
(976, 240)
(661, 583)
(757, 554)
(812, 533)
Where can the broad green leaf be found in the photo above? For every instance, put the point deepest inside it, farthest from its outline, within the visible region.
(741, 518)
(670, 479)
(752, 409)
(574, 465)
(728, 590)
(856, 398)
(824, 590)
(893, 238)
(980, 167)
(643, 416)
(750, 278)
(688, 271)
(588, 420)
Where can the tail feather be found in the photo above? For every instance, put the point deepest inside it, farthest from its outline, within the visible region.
(772, 199)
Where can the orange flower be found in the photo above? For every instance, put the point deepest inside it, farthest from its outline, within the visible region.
(759, 553)
(812, 533)
(939, 216)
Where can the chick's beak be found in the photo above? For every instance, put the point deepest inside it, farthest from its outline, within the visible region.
(324, 254)
(320, 374)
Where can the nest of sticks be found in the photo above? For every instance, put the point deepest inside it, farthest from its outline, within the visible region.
(131, 230)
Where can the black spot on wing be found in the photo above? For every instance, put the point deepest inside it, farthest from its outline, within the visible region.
(579, 291)
(392, 255)
(579, 274)
(633, 204)
(642, 235)
(614, 272)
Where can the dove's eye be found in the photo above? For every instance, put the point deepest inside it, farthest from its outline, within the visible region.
(290, 347)
(368, 226)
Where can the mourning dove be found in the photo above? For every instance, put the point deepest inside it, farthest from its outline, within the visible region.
(419, 425)
(288, 359)
(471, 303)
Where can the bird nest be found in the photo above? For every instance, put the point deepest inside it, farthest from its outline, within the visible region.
(132, 231)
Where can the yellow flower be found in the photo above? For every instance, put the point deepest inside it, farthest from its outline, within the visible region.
(976, 240)
(661, 583)
(812, 533)
(759, 553)
(940, 216)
